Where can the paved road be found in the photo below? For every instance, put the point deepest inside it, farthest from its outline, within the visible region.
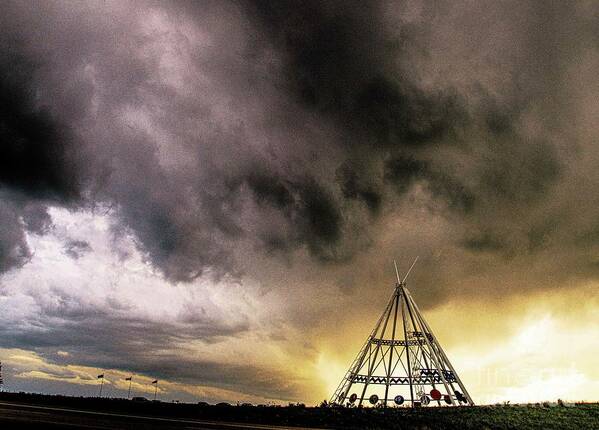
(16, 415)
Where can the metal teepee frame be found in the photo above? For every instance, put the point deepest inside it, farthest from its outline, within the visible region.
(401, 361)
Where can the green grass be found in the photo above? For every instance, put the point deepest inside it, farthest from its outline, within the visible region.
(477, 417)
(517, 417)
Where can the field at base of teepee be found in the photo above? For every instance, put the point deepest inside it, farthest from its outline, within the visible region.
(520, 417)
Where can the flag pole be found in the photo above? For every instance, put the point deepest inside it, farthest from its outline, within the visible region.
(129, 392)
(101, 385)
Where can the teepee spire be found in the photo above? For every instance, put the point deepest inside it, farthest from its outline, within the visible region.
(401, 361)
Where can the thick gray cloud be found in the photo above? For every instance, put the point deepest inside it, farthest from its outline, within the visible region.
(13, 248)
(308, 111)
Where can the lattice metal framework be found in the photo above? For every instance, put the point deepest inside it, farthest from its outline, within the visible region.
(401, 361)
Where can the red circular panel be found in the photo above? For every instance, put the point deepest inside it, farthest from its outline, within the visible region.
(436, 394)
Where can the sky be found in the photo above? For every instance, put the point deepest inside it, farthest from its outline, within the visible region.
(212, 193)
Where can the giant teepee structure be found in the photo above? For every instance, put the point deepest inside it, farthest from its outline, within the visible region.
(401, 362)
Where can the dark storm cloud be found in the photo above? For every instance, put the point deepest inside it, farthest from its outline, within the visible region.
(307, 205)
(401, 171)
(340, 61)
(35, 155)
(13, 246)
(38, 160)
(36, 217)
(275, 126)
(356, 187)
(336, 61)
(344, 62)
